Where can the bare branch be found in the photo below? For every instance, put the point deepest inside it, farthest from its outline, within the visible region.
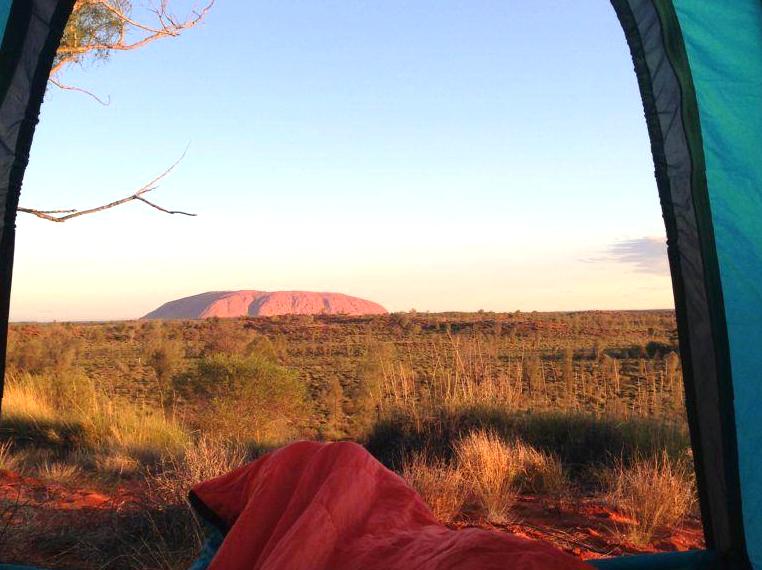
(80, 90)
(54, 211)
(64, 215)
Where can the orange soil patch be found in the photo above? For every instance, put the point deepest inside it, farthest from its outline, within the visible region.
(589, 530)
(32, 492)
(40, 520)
(585, 528)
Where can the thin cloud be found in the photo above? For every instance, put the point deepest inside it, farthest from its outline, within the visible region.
(646, 254)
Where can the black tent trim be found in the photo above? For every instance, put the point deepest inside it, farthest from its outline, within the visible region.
(669, 99)
(13, 42)
(26, 67)
(207, 514)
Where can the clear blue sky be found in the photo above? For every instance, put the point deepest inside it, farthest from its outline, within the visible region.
(439, 155)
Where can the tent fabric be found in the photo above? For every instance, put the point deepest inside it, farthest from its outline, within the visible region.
(333, 506)
(724, 48)
(672, 134)
(699, 66)
(31, 34)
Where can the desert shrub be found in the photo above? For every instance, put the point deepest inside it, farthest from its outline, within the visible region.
(125, 331)
(440, 485)
(54, 349)
(658, 349)
(165, 357)
(264, 347)
(66, 391)
(38, 409)
(332, 398)
(494, 470)
(225, 337)
(366, 393)
(671, 367)
(656, 492)
(251, 397)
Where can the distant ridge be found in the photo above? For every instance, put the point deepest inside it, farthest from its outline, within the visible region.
(251, 303)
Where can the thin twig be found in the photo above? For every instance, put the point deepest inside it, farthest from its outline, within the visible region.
(60, 85)
(51, 216)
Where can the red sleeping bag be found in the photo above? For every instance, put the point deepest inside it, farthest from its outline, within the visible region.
(333, 506)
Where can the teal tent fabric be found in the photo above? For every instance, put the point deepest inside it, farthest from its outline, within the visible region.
(724, 45)
(5, 11)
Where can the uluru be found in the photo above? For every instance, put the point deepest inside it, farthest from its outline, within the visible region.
(224, 304)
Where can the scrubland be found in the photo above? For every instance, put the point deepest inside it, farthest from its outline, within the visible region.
(482, 413)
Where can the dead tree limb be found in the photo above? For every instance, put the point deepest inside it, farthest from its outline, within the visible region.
(64, 215)
(97, 28)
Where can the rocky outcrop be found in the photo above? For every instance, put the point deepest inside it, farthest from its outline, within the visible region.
(225, 304)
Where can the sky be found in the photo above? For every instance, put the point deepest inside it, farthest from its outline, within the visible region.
(437, 155)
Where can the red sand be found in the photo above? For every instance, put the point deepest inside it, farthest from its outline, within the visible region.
(585, 528)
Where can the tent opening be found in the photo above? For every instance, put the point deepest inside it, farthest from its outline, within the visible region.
(578, 368)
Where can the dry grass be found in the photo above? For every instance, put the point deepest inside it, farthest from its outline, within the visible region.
(144, 434)
(24, 401)
(542, 473)
(491, 469)
(463, 372)
(440, 486)
(204, 459)
(656, 493)
(494, 471)
(59, 472)
(68, 407)
(8, 459)
(115, 464)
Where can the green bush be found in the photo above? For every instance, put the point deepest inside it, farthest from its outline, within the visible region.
(251, 397)
(165, 357)
(366, 392)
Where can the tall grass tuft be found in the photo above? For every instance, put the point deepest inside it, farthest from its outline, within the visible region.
(491, 469)
(8, 460)
(657, 493)
(58, 472)
(68, 409)
(495, 471)
(440, 485)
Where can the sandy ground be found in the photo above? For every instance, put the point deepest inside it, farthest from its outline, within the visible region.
(583, 527)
